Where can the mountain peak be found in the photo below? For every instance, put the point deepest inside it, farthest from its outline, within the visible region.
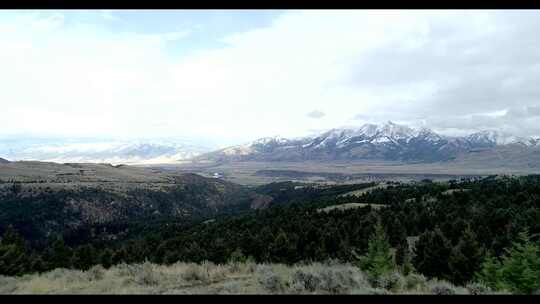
(4, 161)
(271, 139)
(369, 129)
(396, 131)
(387, 141)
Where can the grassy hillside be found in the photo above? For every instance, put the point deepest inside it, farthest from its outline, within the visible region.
(459, 231)
(231, 278)
(41, 199)
(46, 172)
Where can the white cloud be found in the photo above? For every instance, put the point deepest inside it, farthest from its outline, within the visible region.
(109, 15)
(316, 114)
(436, 67)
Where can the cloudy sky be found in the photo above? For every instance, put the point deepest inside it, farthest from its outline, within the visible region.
(233, 76)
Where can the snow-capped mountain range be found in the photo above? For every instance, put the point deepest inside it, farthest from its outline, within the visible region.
(113, 152)
(388, 141)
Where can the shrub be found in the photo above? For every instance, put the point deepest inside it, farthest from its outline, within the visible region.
(390, 281)
(341, 280)
(57, 274)
(270, 280)
(309, 280)
(332, 262)
(96, 273)
(251, 267)
(232, 288)
(195, 272)
(237, 256)
(441, 288)
(7, 284)
(126, 270)
(478, 289)
(145, 275)
(377, 291)
(415, 281)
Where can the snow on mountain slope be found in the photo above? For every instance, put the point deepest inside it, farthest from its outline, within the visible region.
(389, 141)
(494, 137)
(114, 152)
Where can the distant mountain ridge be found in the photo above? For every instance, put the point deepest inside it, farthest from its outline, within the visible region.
(115, 152)
(389, 141)
(4, 161)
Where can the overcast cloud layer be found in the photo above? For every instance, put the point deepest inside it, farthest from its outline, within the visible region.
(453, 71)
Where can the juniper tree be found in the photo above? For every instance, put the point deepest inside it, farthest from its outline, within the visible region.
(465, 259)
(431, 254)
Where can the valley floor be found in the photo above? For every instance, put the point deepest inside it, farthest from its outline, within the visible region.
(259, 173)
(232, 278)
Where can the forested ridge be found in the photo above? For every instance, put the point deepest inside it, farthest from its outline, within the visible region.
(460, 231)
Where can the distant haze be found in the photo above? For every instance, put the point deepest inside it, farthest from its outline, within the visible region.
(227, 77)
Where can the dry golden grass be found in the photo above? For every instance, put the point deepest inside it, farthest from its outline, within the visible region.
(450, 191)
(232, 278)
(366, 190)
(349, 206)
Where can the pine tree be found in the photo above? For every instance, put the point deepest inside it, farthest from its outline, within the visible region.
(320, 252)
(13, 256)
(490, 272)
(37, 264)
(465, 259)
(84, 257)
(195, 253)
(12, 260)
(119, 256)
(520, 271)
(403, 258)
(431, 254)
(12, 237)
(396, 233)
(344, 252)
(281, 249)
(378, 259)
(60, 255)
(105, 258)
(402, 248)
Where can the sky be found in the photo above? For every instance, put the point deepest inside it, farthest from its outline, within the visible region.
(232, 76)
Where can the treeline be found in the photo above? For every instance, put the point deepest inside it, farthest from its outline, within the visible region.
(459, 231)
(39, 211)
